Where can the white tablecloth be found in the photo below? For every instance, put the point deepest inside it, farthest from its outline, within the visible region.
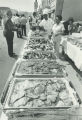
(73, 52)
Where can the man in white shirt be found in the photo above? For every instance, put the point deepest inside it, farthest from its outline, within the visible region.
(58, 27)
(16, 20)
(58, 30)
(46, 23)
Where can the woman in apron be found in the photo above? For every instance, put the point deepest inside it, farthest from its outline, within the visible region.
(58, 30)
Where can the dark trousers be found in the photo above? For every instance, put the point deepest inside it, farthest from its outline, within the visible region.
(19, 34)
(24, 30)
(9, 39)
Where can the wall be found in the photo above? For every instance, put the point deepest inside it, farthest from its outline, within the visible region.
(72, 8)
(59, 7)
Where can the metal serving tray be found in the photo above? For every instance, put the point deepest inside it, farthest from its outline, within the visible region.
(7, 106)
(37, 48)
(26, 68)
(48, 45)
(38, 54)
(39, 36)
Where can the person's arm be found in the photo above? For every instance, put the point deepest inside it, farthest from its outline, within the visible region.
(41, 23)
(61, 31)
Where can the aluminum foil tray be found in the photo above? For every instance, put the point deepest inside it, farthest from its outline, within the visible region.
(38, 54)
(40, 44)
(40, 94)
(40, 68)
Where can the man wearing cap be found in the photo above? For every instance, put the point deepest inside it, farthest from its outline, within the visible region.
(46, 23)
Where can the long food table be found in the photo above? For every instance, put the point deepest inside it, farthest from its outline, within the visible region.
(38, 86)
(73, 48)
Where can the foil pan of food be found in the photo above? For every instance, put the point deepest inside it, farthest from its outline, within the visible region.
(40, 68)
(40, 93)
(43, 47)
(38, 54)
(39, 34)
(37, 40)
(40, 44)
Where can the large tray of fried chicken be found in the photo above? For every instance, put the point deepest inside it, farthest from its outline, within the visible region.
(41, 68)
(33, 93)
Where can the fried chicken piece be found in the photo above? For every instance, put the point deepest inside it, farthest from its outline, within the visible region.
(38, 103)
(43, 97)
(60, 104)
(29, 104)
(15, 97)
(64, 94)
(39, 89)
(68, 102)
(21, 102)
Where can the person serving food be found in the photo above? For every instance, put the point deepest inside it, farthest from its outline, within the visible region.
(57, 30)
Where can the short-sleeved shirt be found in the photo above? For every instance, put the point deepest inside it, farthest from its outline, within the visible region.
(16, 20)
(23, 21)
(47, 24)
(51, 21)
(34, 21)
(57, 28)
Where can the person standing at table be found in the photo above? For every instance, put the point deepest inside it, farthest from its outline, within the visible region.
(30, 21)
(71, 26)
(34, 19)
(46, 23)
(58, 30)
(17, 22)
(9, 34)
(23, 22)
(66, 23)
